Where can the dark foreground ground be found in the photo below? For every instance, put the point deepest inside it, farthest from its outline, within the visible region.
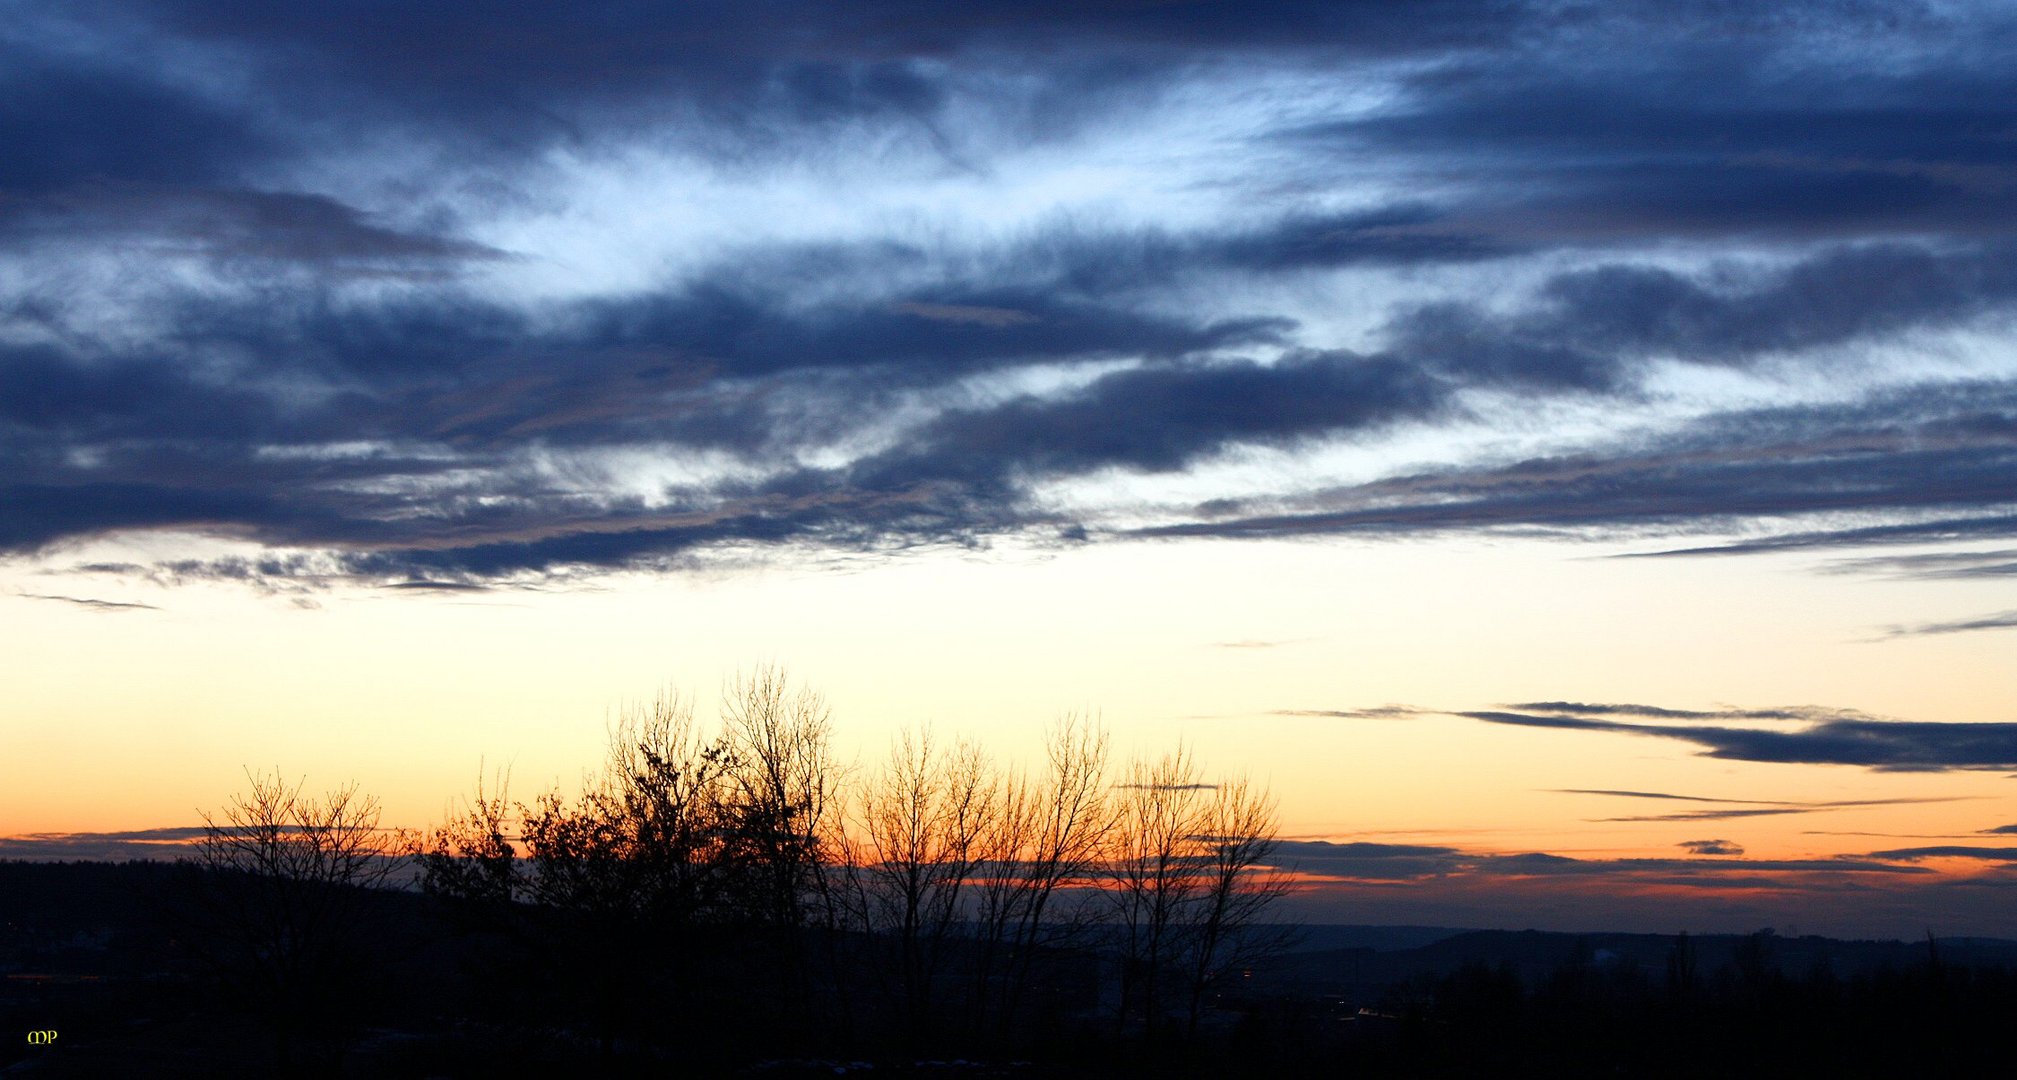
(102, 973)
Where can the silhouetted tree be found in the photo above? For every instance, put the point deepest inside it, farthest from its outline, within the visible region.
(1045, 838)
(616, 879)
(697, 876)
(680, 830)
(285, 896)
(1191, 884)
(1236, 843)
(777, 742)
(1155, 876)
(921, 824)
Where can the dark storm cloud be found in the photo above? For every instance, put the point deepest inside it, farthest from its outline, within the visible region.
(1934, 450)
(1831, 205)
(468, 367)
(1583, 321)
(161, 444)
(1580, 336)
(106, 152)
(1401, 234)
(460, 57)
(1161, 418)
(34, 515)
(232, 223)
(507, 80)
(99, 122)
(1726, 129)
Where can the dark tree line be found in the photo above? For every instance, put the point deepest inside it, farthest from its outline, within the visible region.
(283, 899)
(1744, 1014)
(740, 880)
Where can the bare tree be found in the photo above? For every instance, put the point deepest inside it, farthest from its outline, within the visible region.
(922, 821)
(286, 893)
(1155, 875)
(698, 875)
(1192, 884)
(1045, 837)
(472, 860)
(780, 766)
(1237, 835)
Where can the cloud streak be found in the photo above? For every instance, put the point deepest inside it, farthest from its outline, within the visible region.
(1827, 737)
(2002, 621)
(92, 603)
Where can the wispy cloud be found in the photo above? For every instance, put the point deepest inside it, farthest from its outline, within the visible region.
(93, 604)
(1933, 565)
(1848, 739)
(1748, 808)
(1661, 795)
(2003, 621)
(1422, 862)
(1712, 815)
(1375, 712)
(1828, 737)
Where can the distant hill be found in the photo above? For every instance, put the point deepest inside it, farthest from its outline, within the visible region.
(1362, 962)
(1327, 937)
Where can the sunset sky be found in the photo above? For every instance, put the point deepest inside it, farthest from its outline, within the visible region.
(1567, 451)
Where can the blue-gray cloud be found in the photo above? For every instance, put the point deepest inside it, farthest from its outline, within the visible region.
(1840, 739)
(1934, 565)
(92, 603)
(1712, 847)
(1946, 454)
(2003, 621)
(1949, 851)
(161, 843)
(1730, 808)
(1378, 862)
(303, 362)
(1896, 745)
(1825, 737)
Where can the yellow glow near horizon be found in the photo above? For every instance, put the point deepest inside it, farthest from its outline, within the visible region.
(135, 718)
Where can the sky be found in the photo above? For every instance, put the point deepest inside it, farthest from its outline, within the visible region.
(1566, 451)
